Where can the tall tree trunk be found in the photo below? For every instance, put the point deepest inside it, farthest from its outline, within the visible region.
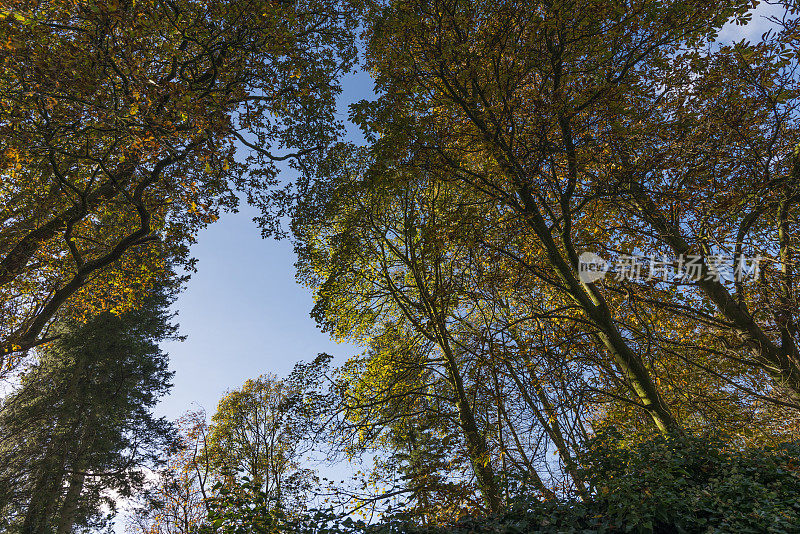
(585, 295)
(41, 513)
(70, 507)
(777, 360)
(45, 496)
(437, 332)
(594, 305)
(476, 442)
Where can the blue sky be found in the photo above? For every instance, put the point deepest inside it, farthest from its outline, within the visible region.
(243, 312)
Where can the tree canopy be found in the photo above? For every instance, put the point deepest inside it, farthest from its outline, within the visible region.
(567, 248)
(508, 139)
(119, 121)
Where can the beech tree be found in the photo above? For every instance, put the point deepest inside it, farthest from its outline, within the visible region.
(532, 107)
(396, 268)
(508, 138)
(119, 120)
(255, 433)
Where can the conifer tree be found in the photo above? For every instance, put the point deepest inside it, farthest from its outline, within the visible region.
(80, 426)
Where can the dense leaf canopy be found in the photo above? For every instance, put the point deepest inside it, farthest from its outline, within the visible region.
(119, 121)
